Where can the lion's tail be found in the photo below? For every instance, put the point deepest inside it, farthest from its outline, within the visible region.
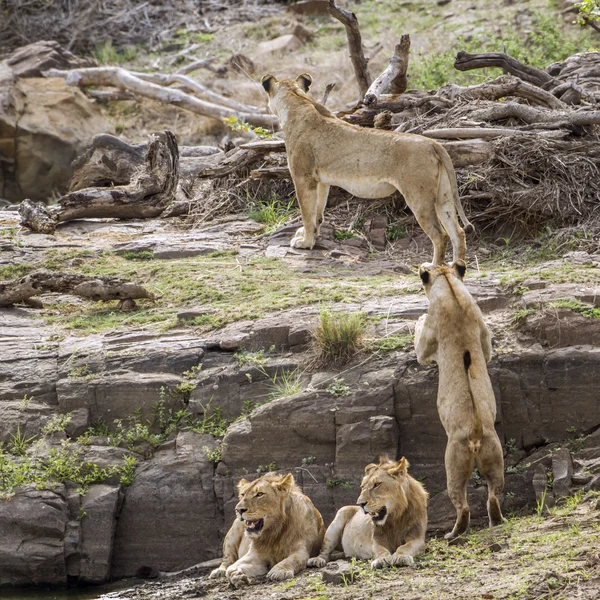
(446, 161)
(476, 432)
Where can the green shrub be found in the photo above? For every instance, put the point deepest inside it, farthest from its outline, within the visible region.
(338, 336)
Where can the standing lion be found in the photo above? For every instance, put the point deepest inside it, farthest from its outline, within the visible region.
(388, 526)
(454, 335)
(277, 530)
(323, 150)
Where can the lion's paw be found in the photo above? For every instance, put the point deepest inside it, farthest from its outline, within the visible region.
(317, 562)
(382, 561)
(300, 241)
(218, 573)
(279, 574)
(237, 577)
(401, 560)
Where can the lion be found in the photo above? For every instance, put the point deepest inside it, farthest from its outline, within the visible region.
(278, 529)
(323, 150)
(388, 525)
(454, 335)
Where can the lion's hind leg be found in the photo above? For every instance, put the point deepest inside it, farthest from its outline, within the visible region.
(445, 209)
(459, 464)
(490, 463)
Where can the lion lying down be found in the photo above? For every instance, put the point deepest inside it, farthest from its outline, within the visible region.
(389, 524)
(277, 531)
(454, 335)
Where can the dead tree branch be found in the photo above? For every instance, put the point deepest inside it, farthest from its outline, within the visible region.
(357, 56)
(147, 195)
(393, 80)
(97, 288)
(124, 80)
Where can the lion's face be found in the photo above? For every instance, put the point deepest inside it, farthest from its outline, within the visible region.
(261, 504)
(383, 489)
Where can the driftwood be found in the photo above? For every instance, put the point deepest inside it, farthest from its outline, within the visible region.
(357, 56)
(111, 161)
(125, 80)
(147, 195)
(466, 62)
(393, 79)
(95, 288)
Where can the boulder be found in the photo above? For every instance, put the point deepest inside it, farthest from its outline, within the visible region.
(32, 544)
(280, 45)
(170, 519)
(44, 125)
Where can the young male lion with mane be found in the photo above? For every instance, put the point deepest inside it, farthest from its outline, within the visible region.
(323, 150)
(454, 335)
(389, 524)
(277, 530)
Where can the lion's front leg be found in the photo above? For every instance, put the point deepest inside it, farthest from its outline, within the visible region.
(425, 341)
(322, 195)
(249, 566)
(290, 566)
(404, 555)
(381, 555)
(306, 191)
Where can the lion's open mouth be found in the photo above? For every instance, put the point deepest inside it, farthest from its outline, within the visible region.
(379, 516)
(254, 526)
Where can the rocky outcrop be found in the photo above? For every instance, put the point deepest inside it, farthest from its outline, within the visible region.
(44, 125)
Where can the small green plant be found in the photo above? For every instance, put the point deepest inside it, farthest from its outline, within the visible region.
(511, 446)
(270, 468)
(56, 424)
(184, 389)
(98, 428)
(588, 11)
(253, 359)
(395, 232)
(82, 514)
(107, 54)
(128, 470)
(193, 372)
(391, 343)
(19, 442)
(308, 460)
(338, 336)
(344, 234)
(339, 388)
(82, 372)
(343, 483)
(138, 255)
(272, 212)
(541, 504)
(521, 315)
(24, 403)
(285, 383)
(248, 407)
(211, 422)
(215, 454)
(238, 125)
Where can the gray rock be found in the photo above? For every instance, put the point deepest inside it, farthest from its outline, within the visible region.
(338, 573)
(562, 471)
(32, 545)
(98, 525)
(79, 423)
(170, 519)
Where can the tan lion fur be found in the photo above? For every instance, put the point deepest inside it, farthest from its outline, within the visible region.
(393, 540)
(454, 335)
(292, 531)
(323, 150)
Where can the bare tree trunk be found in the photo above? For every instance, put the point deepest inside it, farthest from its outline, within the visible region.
(124, 80)
(91, 287)
(393, 80)
(148, 194)
(357, 56)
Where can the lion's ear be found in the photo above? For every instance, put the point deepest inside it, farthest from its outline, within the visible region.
(242, 483)
(268, 81)
(370, 468)
(460, 268)
(399, 468)
(285, 483)
(424, 273)
(304, 82)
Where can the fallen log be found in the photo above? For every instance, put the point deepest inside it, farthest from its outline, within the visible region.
(393, 79)
(357, 56)
(97, 288)
(531, 114)
(125, 80)
(147, 195)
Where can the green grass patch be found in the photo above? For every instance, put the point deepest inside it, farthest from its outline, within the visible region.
(585, 310)
(391, 343)
(338, 336)
(139, 255)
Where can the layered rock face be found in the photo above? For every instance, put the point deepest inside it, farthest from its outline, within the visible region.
(178, 508)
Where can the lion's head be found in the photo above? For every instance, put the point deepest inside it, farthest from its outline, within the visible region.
(429, 274)
(262, 503)
(384, 489)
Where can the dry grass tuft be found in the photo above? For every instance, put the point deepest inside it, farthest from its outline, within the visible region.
(338, 337)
